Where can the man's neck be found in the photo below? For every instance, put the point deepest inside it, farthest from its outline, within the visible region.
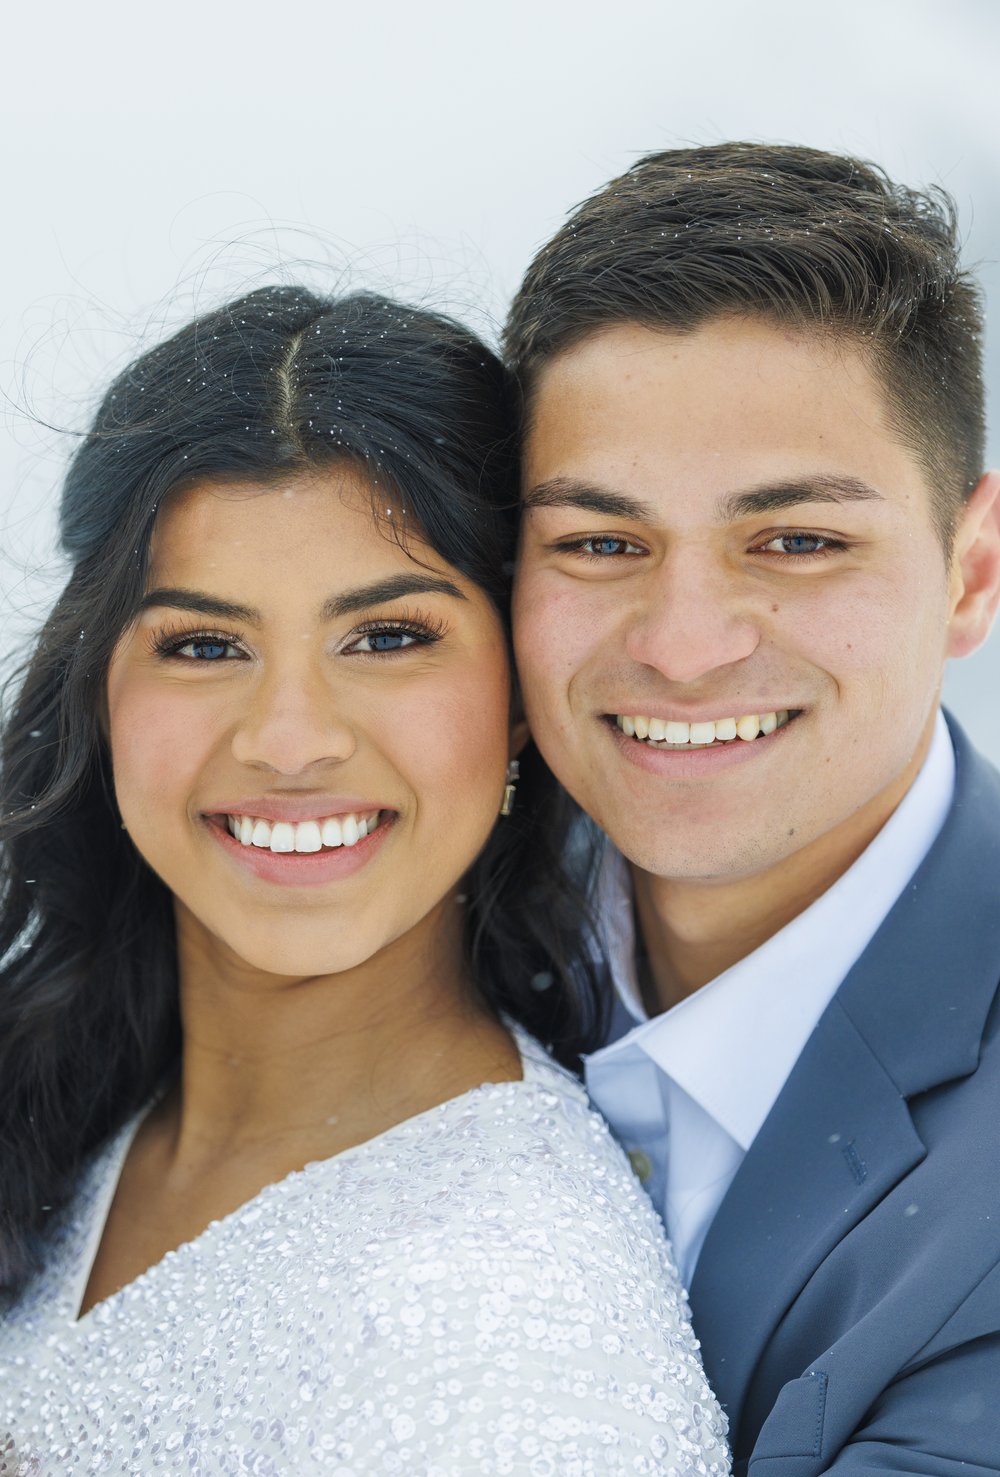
(690, 930)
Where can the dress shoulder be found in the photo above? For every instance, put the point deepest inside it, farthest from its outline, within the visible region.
(483, 1288)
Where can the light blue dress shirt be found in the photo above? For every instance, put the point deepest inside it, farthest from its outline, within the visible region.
(686, 1092)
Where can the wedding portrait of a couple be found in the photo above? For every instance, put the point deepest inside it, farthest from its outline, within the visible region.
(499, 919)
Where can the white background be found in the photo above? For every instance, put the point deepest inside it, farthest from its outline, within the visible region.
(157, 159)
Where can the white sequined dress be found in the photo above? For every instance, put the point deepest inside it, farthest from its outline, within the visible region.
(482, 1289)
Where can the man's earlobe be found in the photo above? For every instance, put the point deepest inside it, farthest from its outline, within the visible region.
(975, 568)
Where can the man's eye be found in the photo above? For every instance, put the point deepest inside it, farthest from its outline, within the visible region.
(601, 546)
(800, 544)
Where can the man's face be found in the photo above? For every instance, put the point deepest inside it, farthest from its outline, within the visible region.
(722, 528)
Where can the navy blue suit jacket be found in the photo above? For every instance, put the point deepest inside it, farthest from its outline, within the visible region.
(847, 1297)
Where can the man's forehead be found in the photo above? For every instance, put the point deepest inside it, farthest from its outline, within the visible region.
(744, 415)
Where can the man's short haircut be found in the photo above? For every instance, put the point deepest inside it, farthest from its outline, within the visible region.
(794, 235)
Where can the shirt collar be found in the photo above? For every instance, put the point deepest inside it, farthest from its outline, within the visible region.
(776, 995)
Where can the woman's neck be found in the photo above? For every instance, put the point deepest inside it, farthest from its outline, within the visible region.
(283, 1070)
(279, 1072)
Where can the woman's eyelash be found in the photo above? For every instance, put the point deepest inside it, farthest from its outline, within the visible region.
(170, 643)
(422, 631)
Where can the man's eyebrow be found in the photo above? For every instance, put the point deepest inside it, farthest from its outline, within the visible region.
(774, 497)
(350, 602)
(566, 492)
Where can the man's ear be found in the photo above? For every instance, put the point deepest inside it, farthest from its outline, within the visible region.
(975, 568)
(520, 733)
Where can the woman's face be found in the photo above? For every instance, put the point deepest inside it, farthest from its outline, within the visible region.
(298, 679)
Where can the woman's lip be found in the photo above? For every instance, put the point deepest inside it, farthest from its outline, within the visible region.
(295, 808)
(302, 868)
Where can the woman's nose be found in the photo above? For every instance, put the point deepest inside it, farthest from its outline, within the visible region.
(293, 721)
(694, 618)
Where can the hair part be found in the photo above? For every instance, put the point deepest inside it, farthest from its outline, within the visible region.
(817, 241)
(277, 383)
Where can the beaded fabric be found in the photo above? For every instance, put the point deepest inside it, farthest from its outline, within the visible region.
(482, 1289)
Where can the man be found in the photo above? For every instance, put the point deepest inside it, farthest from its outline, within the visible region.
(754, 529)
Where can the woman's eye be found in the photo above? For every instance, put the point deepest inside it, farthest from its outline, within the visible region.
(204, 649)
(374, 642)
(208, 651)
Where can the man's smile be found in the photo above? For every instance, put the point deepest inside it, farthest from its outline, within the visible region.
(668, 733)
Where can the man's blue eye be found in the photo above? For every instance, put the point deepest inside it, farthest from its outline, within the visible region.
(606, 546)
(798, 543)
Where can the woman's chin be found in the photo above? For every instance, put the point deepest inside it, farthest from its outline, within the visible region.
(255, 956)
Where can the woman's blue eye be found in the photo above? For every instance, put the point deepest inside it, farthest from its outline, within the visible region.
(205, 650)
(385, 641)
(196, 650)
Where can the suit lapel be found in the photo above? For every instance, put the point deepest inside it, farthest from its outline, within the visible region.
(839, 1139)
(909, 1016)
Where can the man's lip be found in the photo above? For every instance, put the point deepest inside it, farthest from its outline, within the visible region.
(296, 808)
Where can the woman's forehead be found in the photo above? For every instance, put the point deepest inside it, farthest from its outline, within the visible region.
(309, 540)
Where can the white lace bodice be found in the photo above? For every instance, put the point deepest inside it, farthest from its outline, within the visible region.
(482, 1289)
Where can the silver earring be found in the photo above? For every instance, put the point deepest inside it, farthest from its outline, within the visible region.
(513, 775)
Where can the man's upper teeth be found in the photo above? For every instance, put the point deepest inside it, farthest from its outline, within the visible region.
(661, 730)
(331, 830)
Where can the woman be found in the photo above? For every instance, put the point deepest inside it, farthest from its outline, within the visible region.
(288, 1183)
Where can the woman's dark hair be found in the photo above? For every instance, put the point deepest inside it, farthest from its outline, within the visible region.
(817, 241)
(277, 382)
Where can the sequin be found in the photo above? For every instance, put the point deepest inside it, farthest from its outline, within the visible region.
(483, 1289)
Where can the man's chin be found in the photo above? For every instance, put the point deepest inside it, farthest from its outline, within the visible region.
(698, 864)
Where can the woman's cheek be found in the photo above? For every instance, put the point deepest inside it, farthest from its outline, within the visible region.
(462, 736)
(158, 748)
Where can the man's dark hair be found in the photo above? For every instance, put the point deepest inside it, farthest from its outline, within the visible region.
(802, 237)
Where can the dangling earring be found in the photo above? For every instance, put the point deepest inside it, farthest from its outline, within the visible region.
(513, 774)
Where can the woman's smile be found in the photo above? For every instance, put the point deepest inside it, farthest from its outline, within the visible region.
(302, 853)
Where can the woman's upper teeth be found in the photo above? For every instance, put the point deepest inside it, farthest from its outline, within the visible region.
(660, 730)
(285, 836)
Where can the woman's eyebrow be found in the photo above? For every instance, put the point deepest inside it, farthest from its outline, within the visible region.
(178, 599)
(380, 591)
(348, 603)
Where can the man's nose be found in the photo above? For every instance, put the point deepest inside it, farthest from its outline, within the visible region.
(695, 616)
(293, 719)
